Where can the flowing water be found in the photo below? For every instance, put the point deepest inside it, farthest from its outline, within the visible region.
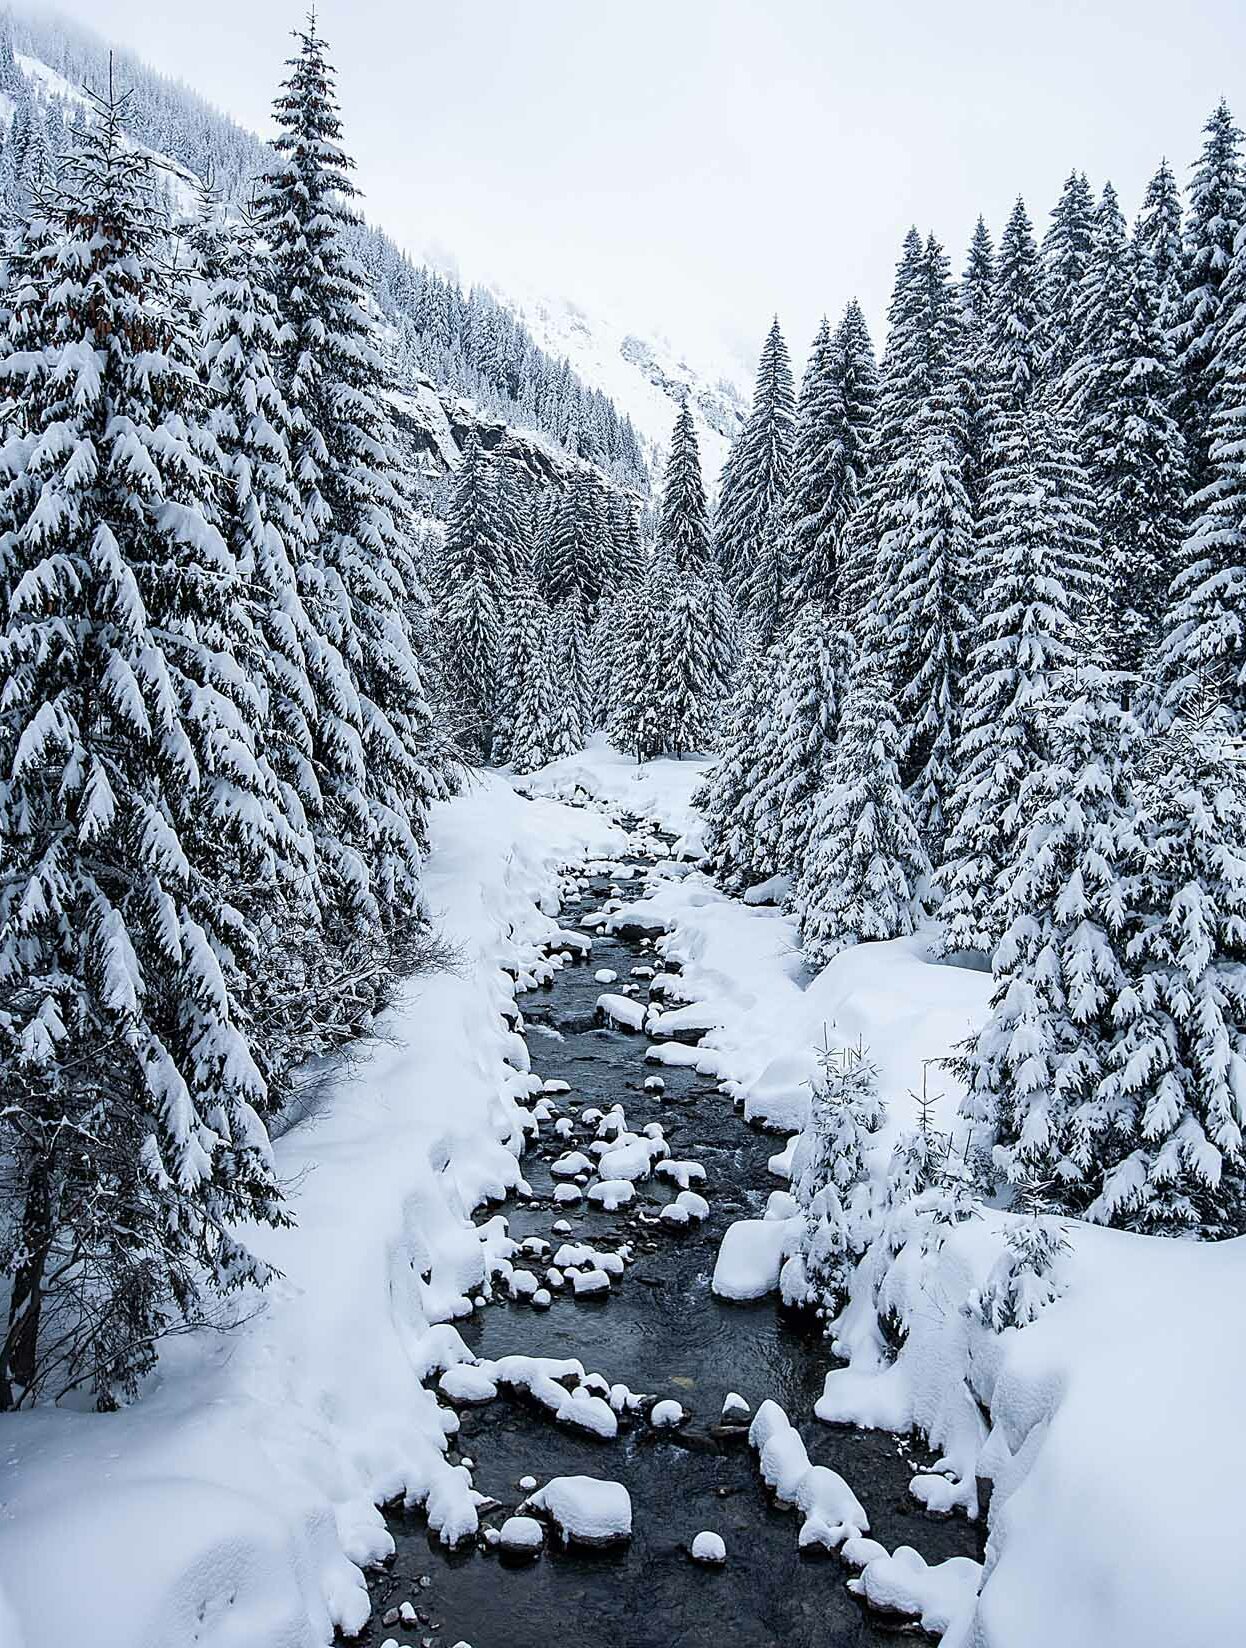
(660, 1331)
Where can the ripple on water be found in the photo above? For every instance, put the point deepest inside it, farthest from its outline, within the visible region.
(670, 1339)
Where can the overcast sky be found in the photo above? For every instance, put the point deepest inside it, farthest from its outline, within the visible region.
(700, 163)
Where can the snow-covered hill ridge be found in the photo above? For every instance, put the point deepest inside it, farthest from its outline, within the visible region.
(644, 377)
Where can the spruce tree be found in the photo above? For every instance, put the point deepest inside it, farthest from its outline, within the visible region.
(1158, 236)
(375, 747)
(754, 485)
(1063, 262)
(683, 517)
(866, 870)
(858, 384)
(1175, 1085)
(1035, 1074)
(1122, 391)
(928, 621)
(729, 794)
(1015, 331)
(975, 297)
(136, 813)
(1036, 550)
(476, 570)
(635, 723)
(797, 736)
(1217, 211)
(919, 367)
(536, 731)
(815, 501)
(1205, 633)
(831, 1178)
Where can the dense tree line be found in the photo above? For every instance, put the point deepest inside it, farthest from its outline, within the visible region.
(217, 751)
(995, 598)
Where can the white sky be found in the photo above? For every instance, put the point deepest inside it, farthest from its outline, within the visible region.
(697, 164)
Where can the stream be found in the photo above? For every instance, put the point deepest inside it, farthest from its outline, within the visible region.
(660, 1331)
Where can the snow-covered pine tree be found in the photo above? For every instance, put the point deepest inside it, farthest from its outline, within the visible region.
(831, 1178)
(573, 677)
(728, 795)
(136, 815)
(1176, 1079)
(688, 694)
(929, 622)
(1035, 1074)
(1018, 352)
(1035, 553)
(755, 481)
(1205, 632)
(683, 516)
(815, 499)
(536, 723)
(261, 517)
(857, 370)
(1063, 261)
(638, 665)
(797, 735)
(919, 366)
(866, 870)
(476, 572)
(624, 560)
(1121, 390)
(1158, 235)
(1217, 211)
(975, 298)
(377, 751)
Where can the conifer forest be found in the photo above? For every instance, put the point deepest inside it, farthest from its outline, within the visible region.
(622, 1007)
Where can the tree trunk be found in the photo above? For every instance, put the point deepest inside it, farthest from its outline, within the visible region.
(19, 1359)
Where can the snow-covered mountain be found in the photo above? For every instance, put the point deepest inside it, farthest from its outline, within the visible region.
(645, 377)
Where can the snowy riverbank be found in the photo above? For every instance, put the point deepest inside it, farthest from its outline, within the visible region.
(1113, 1444)
(231, 1505)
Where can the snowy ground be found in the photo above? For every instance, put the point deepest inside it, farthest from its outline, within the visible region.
(230, 1506)
(1115, 1445)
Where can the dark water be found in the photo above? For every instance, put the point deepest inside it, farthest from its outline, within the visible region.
(661, 1331)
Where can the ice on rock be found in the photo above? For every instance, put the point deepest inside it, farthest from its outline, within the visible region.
(554, 1277)
(612, 1193)
(586, 1510)
(667, 1415)
(674, 1215)
(622, 1010)
(613, 1264)
(735, 1410)
(555, 1085)
(522, 1283)
(542, 1299)
(567, 1195)
(571, 1254)
(696, 1207)
(561, 1227)
(526, 1484)
(939, 1597)
(590, 1283)
(709, 1548)
(467, 1385)
(564, 1127)
(605, 975)
(654, 1084)
(521, 1535)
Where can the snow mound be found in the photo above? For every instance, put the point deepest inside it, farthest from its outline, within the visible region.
(585, 1510)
